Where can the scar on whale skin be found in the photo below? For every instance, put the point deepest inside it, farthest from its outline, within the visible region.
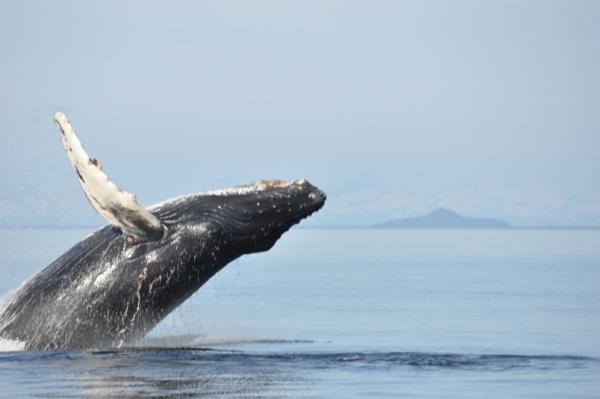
(142, 276)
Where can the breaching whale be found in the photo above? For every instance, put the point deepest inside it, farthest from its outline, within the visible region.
(115, 285)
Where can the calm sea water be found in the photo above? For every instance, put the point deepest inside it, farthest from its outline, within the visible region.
(349, 313)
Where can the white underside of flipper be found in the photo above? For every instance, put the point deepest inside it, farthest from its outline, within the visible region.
(118, 207)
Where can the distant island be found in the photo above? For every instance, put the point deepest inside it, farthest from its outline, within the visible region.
(444, 219)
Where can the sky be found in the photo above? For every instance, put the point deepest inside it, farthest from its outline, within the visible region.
(393, 108)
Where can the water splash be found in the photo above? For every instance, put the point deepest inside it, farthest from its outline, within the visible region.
(9, 345)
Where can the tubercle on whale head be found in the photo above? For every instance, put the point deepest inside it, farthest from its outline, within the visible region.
(288, 200)
(296, 197)
(274, 210)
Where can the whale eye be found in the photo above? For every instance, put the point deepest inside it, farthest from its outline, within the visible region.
(129, 239)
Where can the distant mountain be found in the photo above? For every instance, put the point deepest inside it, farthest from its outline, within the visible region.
(444, 219)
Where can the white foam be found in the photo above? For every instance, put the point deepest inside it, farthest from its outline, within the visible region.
(103, 277)
(170, 341)
(11, 345)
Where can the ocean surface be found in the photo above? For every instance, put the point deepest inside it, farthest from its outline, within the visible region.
(348, 314)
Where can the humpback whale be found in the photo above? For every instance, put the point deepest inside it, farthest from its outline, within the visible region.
(115, 285)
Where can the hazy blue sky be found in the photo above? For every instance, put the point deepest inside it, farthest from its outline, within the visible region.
(393, 108)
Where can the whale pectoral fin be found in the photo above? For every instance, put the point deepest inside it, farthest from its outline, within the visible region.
(118, 207)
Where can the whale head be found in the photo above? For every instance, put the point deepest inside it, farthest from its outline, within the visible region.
(252, 218)
(203, 232)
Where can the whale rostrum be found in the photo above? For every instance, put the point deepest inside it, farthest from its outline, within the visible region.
(114, 286)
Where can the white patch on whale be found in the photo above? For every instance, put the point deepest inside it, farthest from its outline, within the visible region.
(103, 277)
(151, 257)
(117, 206)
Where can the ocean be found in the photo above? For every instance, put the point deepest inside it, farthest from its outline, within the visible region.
(348, 314)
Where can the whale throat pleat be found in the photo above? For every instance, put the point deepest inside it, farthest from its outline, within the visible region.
(117, 206)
